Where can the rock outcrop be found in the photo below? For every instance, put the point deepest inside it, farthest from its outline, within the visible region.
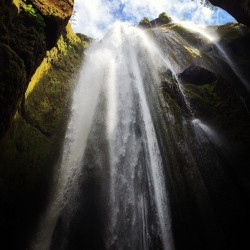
(239, 9)
(27, 30)
(56, 15)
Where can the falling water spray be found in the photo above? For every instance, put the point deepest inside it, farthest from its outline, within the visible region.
(116, 78)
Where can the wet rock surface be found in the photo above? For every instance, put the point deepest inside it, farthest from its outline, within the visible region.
(210, 197)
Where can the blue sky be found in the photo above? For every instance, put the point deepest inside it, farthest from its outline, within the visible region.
(95, 17)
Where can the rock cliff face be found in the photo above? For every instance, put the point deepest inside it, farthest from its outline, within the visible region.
(31, 146)
(209, 201)
(39, 59)
(239, 9)
(27, 30)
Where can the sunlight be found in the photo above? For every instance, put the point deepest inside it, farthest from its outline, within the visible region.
(212, 36)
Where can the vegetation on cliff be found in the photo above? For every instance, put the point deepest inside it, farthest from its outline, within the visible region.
(31, 146)
(27, 30)
(163, 18)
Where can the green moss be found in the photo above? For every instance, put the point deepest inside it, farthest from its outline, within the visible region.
(193, 51)
(186, 34)
(29, 8)
(176, 110)
(48, 93)
(145, 22)
(204, 94)
(218, 104)
(59, 9)
(164, 18)
(38, 19)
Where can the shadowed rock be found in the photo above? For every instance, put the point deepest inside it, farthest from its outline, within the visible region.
(197, 75)
(238, 9)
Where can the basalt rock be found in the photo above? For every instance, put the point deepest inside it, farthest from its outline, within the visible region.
(197, 75)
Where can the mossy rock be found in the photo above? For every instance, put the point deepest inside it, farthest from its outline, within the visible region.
(23, 40)
(31, 146)
(84, 38)
(29, 28)
(48, 94)
(164, 18)
(144, 23)
(218, 104)
(60, 9)
(56, 15)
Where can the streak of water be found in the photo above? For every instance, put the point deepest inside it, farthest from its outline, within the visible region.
(210, 134)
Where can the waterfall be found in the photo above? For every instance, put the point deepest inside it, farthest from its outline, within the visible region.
(136, 157)
(111, 143)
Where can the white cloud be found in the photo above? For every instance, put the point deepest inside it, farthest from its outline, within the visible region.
(94, 17)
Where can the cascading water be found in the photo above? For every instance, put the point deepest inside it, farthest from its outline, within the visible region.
(128, 142)
(111, 108)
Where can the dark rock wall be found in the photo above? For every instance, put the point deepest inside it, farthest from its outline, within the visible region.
(27, 30)
(239, 9)
(30, 148)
